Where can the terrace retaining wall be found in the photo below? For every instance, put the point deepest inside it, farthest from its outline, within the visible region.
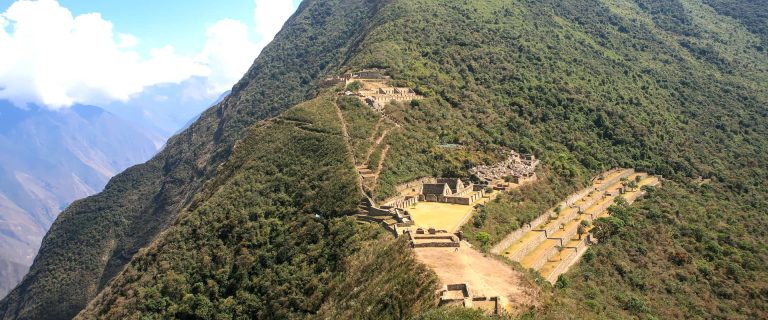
(536, 265)
(523, 251)
(568, 261)
(544, 218)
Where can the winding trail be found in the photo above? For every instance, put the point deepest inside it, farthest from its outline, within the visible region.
(380, 166)
(375, 145)
(348, 143)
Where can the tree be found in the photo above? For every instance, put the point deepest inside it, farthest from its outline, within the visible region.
(607, 227)
(632, 185)
(485, 240)
(562, 282)
(581, 231)
(355, 86)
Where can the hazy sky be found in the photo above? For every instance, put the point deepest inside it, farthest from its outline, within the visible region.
(58, 53)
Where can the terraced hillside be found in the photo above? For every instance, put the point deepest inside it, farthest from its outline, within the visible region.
(553, 246)
(244, 214)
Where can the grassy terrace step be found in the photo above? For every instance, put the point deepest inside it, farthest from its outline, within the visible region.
(517, 239)
(557, 262)
(547, 249)
(538, 251)
(551, 265)
(530, 240)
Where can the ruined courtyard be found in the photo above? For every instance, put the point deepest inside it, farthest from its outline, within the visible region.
(430, 212)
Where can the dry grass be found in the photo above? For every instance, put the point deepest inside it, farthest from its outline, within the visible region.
(441, 216)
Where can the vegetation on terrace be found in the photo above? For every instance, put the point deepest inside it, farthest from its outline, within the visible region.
(668, 87)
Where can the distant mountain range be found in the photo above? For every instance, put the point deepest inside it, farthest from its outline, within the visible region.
(50, 159)
(163, 110)
(251, 212)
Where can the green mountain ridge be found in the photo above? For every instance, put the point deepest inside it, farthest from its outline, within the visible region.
(245, 214)
(94, 238)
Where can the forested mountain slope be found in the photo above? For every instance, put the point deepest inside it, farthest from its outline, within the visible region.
(93, 239)
(676, 88)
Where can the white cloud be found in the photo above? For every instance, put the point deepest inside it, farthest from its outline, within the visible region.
(53, 58)
(270, 16)
(228, 53)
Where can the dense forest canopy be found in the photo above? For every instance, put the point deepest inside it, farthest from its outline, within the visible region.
(676, 88)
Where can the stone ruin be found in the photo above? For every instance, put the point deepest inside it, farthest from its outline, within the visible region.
(372, 75)
(390, 218)
(451, 190)
(378, 98)
(519, 168)
(459, 295)
(375, 93)
(432, 238)
(443, 190)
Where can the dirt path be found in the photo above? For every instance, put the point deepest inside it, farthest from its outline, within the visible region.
(375, 145)
(380, 165)
(376, 129)
(348, 143)
(485, 276)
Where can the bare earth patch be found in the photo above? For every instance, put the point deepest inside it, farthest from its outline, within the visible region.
(485, 276)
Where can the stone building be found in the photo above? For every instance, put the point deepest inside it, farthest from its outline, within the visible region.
(451, 191)
(518, 168)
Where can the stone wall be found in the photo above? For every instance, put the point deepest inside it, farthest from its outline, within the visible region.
(462, 287)
(466, 200)
(377, 212)
(544, 218)
(523, 251)
(570, 234)
(568, 261)
(403, 188)
(401, 202)
(423, 241)
(517, 234)
(435, 245)
(561, 220)
(551, 252)
(414, 184)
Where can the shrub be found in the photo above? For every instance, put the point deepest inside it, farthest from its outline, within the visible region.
(355, 86)
(484, 238)
(562, 282)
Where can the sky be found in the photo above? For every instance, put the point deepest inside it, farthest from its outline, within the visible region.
(65, 52)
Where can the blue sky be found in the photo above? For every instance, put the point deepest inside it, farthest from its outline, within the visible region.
(160, 22)
(61, 52)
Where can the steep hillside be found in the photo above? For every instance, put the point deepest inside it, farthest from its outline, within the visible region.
(49, 159)
(674, 88)
(93, 239)
(273, 236)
